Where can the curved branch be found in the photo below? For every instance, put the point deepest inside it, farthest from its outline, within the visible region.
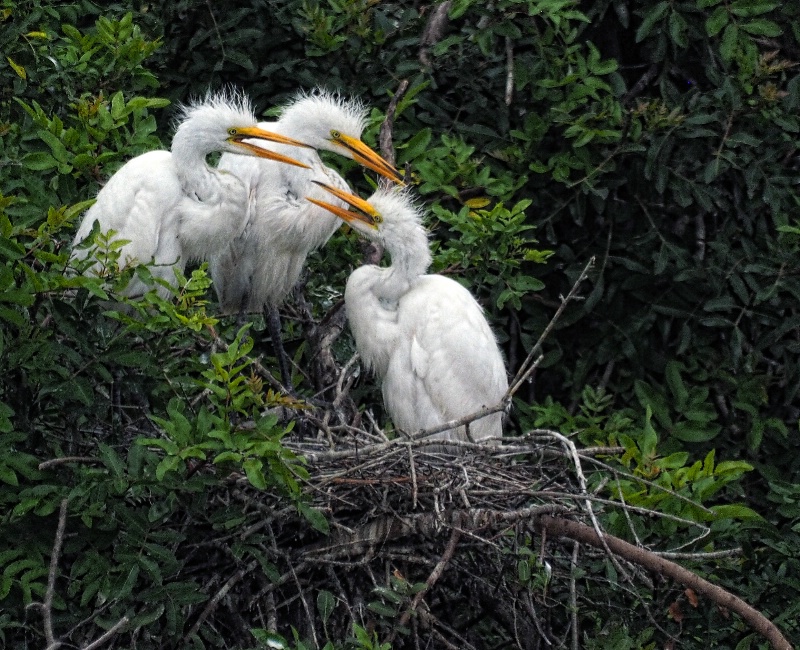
(644, 558)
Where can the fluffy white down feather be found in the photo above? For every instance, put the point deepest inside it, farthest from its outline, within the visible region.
(262, 265)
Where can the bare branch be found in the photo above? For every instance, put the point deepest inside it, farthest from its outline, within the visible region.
(509, 71)
(387, 128)
(87, 460)
(47, 605)
(455, 535)
(581, 532)
(108, 634)
(434, 31)
(530, 362)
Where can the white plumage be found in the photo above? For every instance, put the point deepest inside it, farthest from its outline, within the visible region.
(262, 265)
(171, 205)
(424, 335)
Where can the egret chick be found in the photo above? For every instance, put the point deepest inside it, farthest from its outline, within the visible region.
(262, 265)
(173, 207)
(425, 336)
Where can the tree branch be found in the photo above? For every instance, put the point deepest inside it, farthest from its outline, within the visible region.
(587, 535)
(47, 605)
(108, 634)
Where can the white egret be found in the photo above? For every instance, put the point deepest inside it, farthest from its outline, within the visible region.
(173, 207)
(262, 265)
(425, 336)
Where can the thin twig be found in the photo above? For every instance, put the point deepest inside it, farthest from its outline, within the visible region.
(387, 127)
(587, 501)
(87, 460)
(434, 31)
(509, 71)
(212, 604)
(529, 364)
(47, 605)
(573, 597)
(108, 634)
(577, 531)
(432, 578)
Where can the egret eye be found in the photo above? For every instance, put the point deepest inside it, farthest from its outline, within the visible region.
(335, 135)
(232, 131)
(377, 218)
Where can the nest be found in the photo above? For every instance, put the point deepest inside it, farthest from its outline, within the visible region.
(432, 550)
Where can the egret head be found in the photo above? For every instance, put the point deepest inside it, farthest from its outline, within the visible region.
(391, 217)
(329, 122)
(222, 122)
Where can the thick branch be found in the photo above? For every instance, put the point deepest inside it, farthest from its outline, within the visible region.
(434, 31)
(587, 535)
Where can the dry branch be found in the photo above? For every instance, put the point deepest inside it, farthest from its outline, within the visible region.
(386, 137)
(434, 31)
(47, 606)
(582, 533)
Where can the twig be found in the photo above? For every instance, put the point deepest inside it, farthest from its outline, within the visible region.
(573, 597)
(47, 605)
(387, 127)
(87, 460)
(433, 32)
(701, 555)
(640, 85)
(449, 550)
(414, 490)
(530, 362)
(304, 601)
(509, 71)
(587, 501)
(108, 634)
(212, 604)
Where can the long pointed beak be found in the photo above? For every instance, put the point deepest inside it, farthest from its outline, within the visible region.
(363, 155)
(362, 211)
(241, 133)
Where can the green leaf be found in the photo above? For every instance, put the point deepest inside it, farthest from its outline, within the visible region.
(676, 385)
(528, 283)
(717, 20)
(112, 460)
(253, 467)
(314, 517)
(39, 161)
(730, 39)
(734, 511)
(326, 603)
(762, 27)
(747, 8)
(654, 15)
(8, 475)
(381, 609)
(10, 249)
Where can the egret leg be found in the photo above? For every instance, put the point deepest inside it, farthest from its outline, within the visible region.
(273, 319)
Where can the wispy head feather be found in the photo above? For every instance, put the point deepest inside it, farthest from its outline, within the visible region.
(321, 101)
(226, 105)
(311, 116)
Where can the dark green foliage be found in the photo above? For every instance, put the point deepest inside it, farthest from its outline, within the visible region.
(660, 138)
